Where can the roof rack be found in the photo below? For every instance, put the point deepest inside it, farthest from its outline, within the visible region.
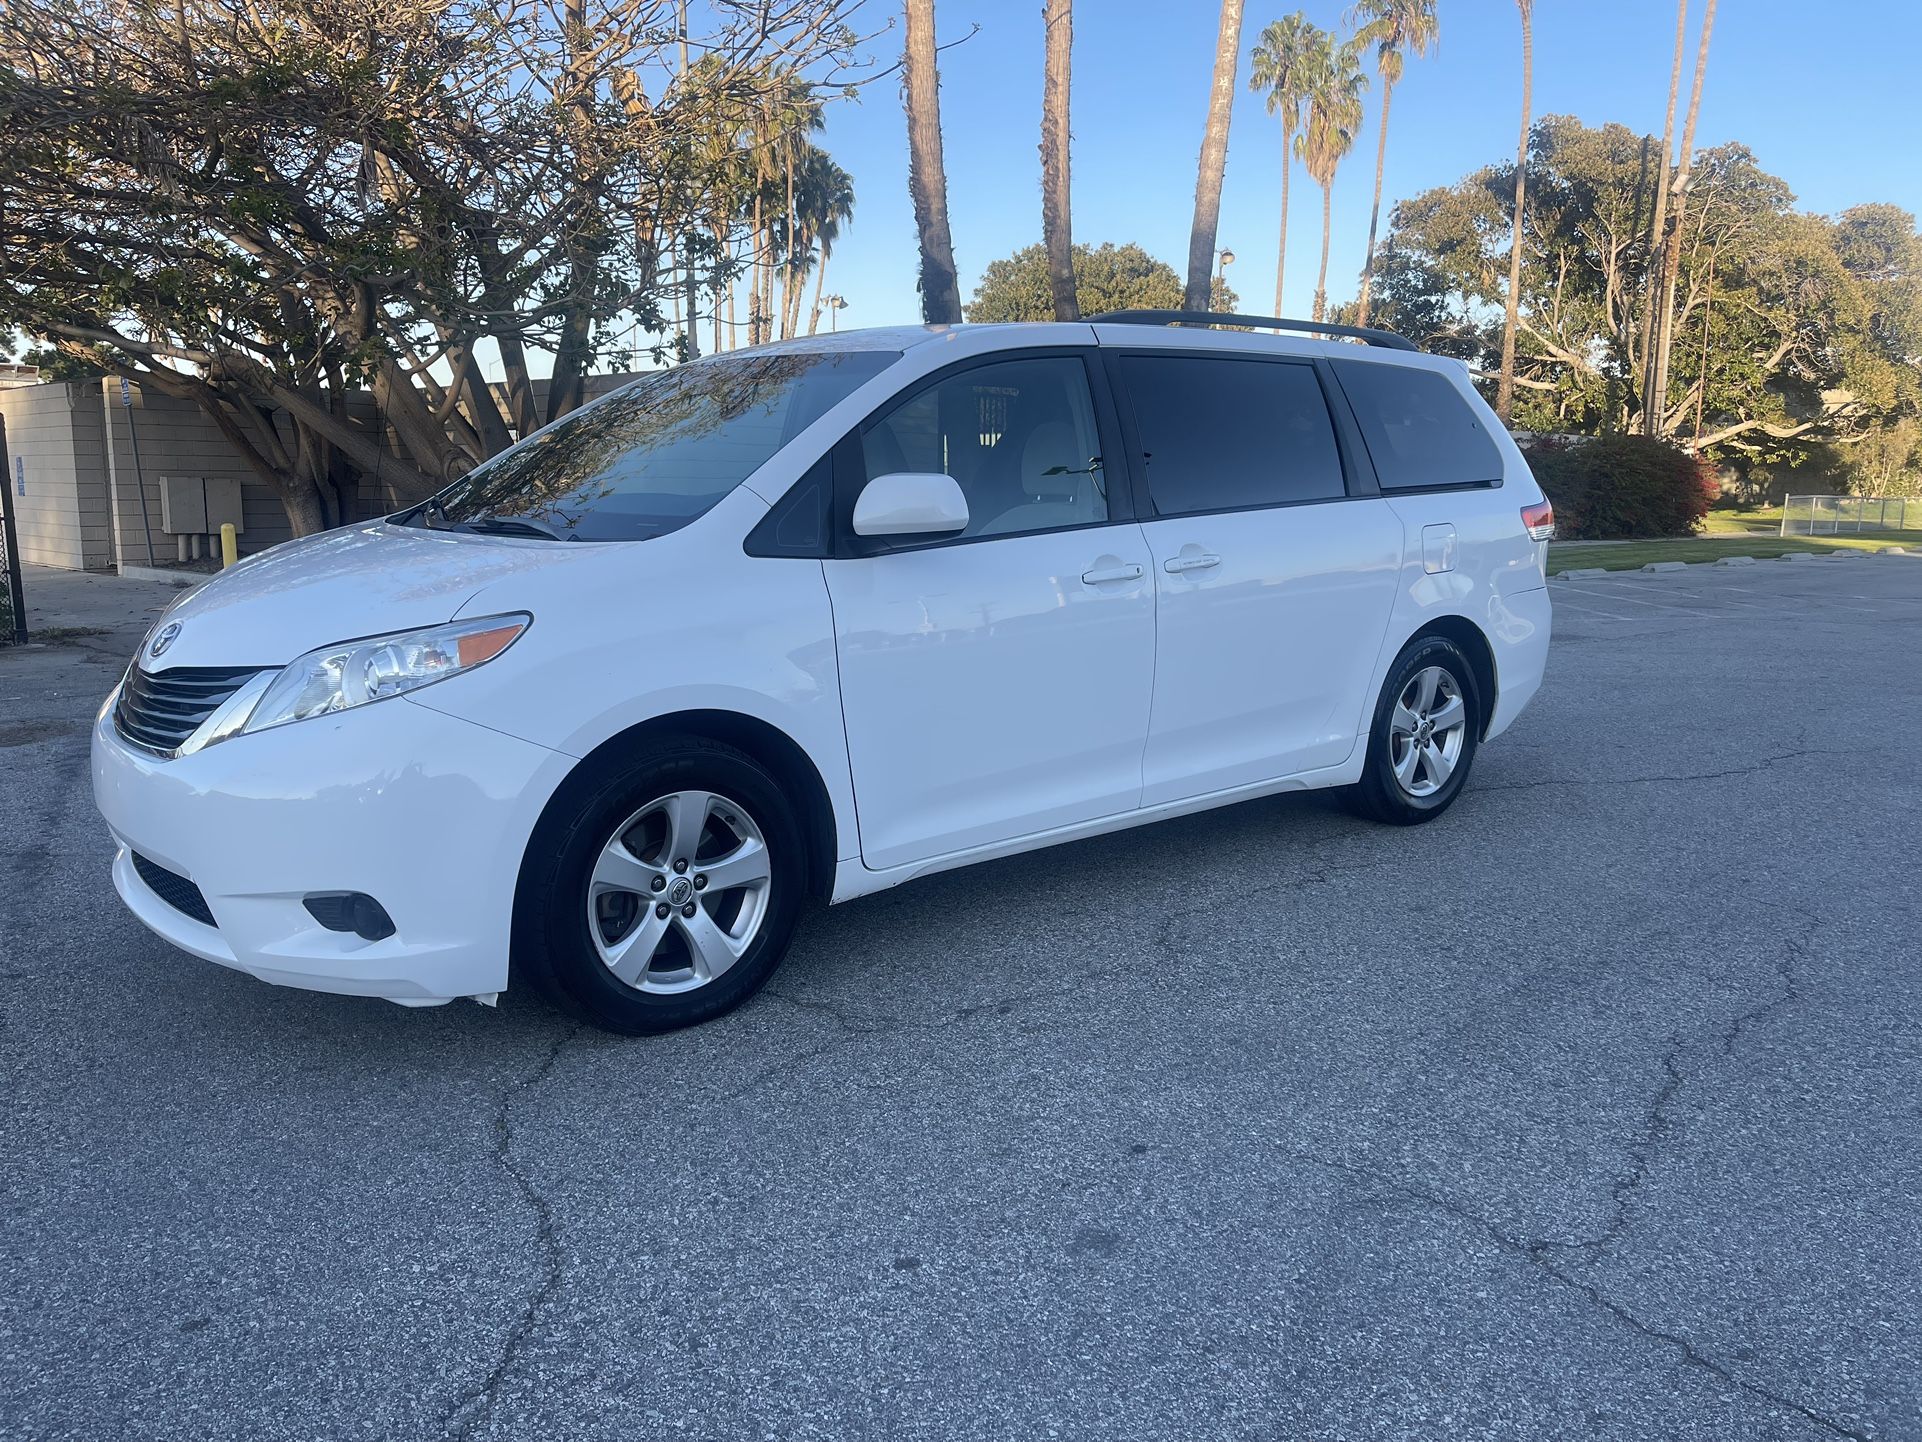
(1368, 333)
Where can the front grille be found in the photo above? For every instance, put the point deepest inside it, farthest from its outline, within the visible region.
(161, 709)
(174, 889)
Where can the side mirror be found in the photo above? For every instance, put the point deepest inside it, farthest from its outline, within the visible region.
(910, 503)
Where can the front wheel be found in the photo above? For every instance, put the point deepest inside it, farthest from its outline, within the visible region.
(666, 892)
(1426, 727)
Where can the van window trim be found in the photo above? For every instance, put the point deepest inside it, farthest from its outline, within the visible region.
(850, 464)
(1357, 468)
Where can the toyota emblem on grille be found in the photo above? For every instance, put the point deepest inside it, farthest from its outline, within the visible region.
(164, 639)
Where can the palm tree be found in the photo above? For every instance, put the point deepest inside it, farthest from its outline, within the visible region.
(825, 202)
(1656, 402)
(1214, 160)
(1505, 390)
(1335, 85)
(1657, 236)
(1057, 18)
(1396, 28)
(1278, 69)
(927, 176)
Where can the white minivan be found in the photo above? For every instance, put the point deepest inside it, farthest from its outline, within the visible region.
(801, 622)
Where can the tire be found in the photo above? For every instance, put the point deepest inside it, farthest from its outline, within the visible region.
(1409, 794)
(603, 868)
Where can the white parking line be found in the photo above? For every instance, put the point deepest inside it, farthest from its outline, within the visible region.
(1717, 600)
(1564, 604)
(1800, 597)
(1634, 600)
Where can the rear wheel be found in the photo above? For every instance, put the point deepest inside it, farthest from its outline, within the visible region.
(668, 892)
(1422, 743)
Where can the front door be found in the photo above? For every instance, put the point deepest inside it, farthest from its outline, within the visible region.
(996, 684)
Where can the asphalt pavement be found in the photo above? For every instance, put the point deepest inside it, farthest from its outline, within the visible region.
(1589, 1111)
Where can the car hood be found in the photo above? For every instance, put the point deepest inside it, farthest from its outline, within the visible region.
(358, 581)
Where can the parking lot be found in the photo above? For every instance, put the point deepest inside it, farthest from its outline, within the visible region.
(1589, 1111)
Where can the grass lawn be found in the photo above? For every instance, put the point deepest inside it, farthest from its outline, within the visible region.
(1766, 521)
(1633, 555)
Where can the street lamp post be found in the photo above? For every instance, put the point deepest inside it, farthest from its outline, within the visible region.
(834, 304)
(1221, 272)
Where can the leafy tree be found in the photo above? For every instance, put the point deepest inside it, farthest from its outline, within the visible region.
(1790, 329)
(1107, 277)
(1280, 71)
(1888, 462)
(58, 365)
(265, 207)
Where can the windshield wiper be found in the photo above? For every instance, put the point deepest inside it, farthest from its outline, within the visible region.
(420, 514)
(514, 526)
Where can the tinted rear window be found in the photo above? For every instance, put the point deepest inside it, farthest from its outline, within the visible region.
(1226, 434)
(1418, 428)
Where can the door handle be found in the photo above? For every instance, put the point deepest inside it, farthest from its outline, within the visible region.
(1111, 573)
(1175, 565)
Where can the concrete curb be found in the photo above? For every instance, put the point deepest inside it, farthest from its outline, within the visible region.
(182, 579)
(1589, 573)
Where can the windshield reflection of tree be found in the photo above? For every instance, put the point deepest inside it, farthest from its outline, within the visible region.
(628, 443)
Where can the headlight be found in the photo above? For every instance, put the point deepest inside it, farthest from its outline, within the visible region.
(356, 672)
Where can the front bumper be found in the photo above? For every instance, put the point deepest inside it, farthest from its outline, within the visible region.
(425, 812)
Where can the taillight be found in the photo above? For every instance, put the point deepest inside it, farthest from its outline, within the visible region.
(1540, 521)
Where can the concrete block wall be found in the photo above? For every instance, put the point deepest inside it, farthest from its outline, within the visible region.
(175, 438)
(55, 438)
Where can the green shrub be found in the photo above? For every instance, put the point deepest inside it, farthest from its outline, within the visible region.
(1622, 487)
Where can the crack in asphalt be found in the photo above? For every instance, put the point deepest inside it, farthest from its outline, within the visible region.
(25, 870)
(1537, 1254)
(1541, 1253)
(856, 1025)
(1765, 764)
(1656, 1125)
(469, 1409)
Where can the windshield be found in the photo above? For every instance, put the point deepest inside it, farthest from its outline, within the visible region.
(655, 454)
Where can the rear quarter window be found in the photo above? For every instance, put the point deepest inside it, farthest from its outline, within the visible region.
(1419, 429)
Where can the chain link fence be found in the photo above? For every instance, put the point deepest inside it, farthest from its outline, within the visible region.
(1847, 515)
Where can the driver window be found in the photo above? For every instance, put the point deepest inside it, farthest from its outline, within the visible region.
(1018, 437)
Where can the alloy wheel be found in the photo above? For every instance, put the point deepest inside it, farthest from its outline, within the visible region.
(1427, 731)
(679, 892)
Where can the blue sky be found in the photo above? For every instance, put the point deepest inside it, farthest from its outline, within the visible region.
(1829, 97)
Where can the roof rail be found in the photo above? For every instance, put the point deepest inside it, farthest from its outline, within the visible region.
(1368, 333)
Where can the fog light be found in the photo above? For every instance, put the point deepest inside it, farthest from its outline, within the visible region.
(353, 911)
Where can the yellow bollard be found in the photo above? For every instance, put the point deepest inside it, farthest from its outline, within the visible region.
(229, 546)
